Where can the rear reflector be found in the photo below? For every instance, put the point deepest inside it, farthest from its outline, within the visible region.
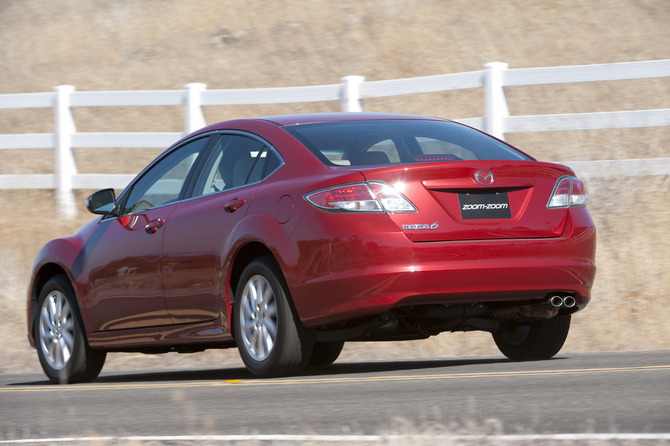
(375, 196)
(569, 192)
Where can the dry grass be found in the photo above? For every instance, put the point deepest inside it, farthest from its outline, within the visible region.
(164, 44)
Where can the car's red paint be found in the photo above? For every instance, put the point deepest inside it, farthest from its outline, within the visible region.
(165, 277)
(398, 271)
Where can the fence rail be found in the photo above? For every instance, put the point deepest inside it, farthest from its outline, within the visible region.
(493, 78)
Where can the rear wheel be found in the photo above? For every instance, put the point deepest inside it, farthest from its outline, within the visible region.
(540, 339)
(325, 353)
(59, 334)
(270, 339)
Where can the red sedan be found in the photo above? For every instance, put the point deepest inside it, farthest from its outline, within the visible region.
(287, 236)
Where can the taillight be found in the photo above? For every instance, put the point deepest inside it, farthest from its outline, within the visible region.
(569, 192)
(374, 196)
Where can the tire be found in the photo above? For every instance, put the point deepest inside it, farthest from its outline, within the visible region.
(270, 339)
(534, 340)
(325, 353)
(59, 336)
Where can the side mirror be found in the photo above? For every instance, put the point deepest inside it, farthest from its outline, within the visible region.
(102, 202)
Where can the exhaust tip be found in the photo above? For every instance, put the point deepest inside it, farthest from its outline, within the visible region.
(556, 301)
(569, 301)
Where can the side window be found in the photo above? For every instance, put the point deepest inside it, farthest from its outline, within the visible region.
(266, 163)
(230, 164)
(163, 183)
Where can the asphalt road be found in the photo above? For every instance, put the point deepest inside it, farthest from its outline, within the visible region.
(573, 393)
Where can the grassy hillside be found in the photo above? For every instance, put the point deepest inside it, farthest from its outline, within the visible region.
(164, 44)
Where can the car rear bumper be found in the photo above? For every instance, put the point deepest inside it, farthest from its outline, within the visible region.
(348, 277)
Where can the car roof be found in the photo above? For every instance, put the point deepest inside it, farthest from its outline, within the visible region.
(307, 118)
(283, 120)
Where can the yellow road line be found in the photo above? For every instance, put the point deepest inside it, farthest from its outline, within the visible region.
(332, 380)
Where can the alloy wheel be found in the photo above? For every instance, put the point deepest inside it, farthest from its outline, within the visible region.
(258, 318)
(56, 330)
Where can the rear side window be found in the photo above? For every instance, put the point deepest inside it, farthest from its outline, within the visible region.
(235, 161)
(357, 143)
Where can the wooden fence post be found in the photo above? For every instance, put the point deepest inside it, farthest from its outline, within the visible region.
(64, 167)
(350, 96)
(494, 99)
(195, 118)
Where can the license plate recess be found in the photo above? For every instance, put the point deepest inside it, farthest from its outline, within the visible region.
(484, 205)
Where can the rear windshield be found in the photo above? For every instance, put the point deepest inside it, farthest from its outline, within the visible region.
(356, 143)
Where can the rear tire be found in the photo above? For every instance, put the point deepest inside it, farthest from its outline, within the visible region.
(533, 340)
(59, 336)
(270, 338)
(325, 353)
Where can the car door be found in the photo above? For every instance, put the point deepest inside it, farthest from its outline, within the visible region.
(124, 266)
(199, 235)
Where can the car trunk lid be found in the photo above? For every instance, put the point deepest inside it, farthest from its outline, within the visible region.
(475, 200)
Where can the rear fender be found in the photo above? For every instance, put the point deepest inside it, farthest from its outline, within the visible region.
(257, 235)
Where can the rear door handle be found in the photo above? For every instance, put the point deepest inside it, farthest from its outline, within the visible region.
(234, 205)
(154, 226)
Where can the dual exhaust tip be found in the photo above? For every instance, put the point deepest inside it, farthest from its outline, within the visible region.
(562, 301)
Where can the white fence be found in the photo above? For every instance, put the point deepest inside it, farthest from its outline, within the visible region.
(493, 78)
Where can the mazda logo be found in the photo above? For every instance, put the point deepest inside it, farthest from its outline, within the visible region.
(484, 177)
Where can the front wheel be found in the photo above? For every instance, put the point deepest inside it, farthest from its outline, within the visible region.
(270, 339)
(540, 339)
(59, 334)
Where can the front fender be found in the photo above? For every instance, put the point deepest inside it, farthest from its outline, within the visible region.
(58, 256)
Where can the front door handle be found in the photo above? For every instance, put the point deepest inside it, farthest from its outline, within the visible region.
(154, 226)
(234, 205)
